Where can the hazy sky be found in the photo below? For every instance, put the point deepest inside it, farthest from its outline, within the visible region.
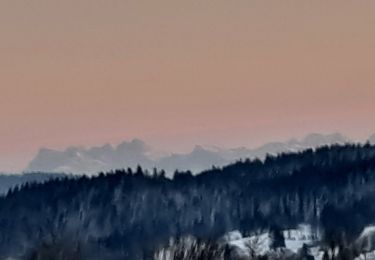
(178, 73)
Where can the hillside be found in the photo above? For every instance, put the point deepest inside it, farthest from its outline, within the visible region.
(127, 215)
(8, 181)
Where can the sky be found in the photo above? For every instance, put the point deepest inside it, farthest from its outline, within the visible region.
(180, 73)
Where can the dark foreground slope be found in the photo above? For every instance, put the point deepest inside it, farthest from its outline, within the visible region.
(128, 214)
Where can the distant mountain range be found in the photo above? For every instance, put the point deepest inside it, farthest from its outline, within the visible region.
(80, 160)
(371, 140)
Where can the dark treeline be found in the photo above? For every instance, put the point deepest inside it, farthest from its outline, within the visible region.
(8, 181)
(128, 214)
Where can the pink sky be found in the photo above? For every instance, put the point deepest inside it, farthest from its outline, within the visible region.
(180, 73)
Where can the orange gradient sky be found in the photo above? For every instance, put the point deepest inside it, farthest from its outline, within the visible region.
(180, 73)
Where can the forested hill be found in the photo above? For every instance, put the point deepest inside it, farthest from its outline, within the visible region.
(128, 214)
(8, 181)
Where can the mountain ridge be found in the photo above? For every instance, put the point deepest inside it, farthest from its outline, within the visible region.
(130, 154)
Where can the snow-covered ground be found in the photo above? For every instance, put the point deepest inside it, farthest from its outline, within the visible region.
(261, 243)
(301, 241)
(366, 241)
